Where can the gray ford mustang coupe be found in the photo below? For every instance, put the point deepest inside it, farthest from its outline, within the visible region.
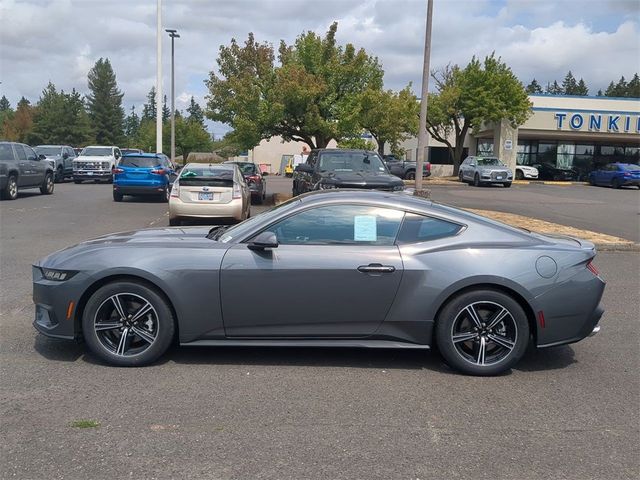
(335, 268)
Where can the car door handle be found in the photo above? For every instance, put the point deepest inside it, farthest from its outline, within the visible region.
(376, 268)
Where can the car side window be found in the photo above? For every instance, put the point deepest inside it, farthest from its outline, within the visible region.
(20, 153)
(6, 152)
(419, 228)
(30, 153)
(312, 158)
(340, 225)
(71, 152)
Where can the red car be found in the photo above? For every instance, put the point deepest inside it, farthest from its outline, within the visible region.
(255, 180)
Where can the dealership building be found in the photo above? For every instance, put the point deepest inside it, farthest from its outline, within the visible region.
(569, 132)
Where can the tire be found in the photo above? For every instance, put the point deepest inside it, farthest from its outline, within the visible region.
(59, 176)
(258, 199)
(592, 181)
(461, 177)
(47, 184)
(507, 185)
(174, 222)
(117, 196)
(410, 175)
(519, 175)
(164, 196)
(127, 342)
(615, 183)
(77, 182)
(466, 356)
(10, 191)
(476, 181)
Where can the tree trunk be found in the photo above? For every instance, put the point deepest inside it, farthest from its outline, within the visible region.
(321, 142)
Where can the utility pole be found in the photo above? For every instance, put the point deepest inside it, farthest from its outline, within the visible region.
(423, 136)
(172, 33)
(159, 80)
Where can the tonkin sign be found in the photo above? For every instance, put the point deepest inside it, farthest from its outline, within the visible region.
(598, 122)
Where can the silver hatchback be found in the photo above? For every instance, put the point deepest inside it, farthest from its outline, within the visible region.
(485, 171)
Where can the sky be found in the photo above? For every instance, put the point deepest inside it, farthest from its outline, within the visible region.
(59, 41)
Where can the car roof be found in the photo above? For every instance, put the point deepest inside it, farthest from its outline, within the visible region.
(226, 166)
(150, 155)
(99, 146)
(334, 150)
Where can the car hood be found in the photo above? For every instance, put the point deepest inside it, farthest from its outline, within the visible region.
(361, 178)
(493, 168)
(93, 158)
(151, 238)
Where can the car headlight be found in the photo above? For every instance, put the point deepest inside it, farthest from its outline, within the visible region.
(52, 163)
(57, 275)
(398, 188)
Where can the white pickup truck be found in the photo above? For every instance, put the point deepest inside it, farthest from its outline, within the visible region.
(96, 163)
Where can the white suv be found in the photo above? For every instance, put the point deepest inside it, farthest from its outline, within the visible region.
(96, 163)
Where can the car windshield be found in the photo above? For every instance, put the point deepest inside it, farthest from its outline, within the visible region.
(48, 151)
(625, 167)
(210, 175)
(489, 162)
(244, 228)
(247, 168)
(137, 161)
(97, 152)
(351, 162)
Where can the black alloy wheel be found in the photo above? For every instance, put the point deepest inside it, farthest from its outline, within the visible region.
(615, 183)
(482, 332)
(410, 175)
(47, 184)
(476, 180)
(127, 324)
(519, 175)
(10, 191)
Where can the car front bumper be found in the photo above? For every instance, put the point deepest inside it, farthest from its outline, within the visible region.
(179, 209)
(529, 175)
(92, 174)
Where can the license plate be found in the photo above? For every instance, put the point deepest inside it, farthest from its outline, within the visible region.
(89, 173)
(205, 196)
(499, 177)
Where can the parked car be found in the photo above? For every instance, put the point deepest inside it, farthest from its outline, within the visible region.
(21, 167)
(616, 175)
(405, 168)
(547, 171)
(361, 269)
(485, 171)
(212, 191)
(255, 180)
(77, 150)
(96, 163)
(143, 174)
(61, 159)
(526, 171)
(129, 151)
(340, 168)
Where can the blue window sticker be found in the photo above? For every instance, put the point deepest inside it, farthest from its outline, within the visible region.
(364, 228)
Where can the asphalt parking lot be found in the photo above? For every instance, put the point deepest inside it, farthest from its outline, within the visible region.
(565, 413)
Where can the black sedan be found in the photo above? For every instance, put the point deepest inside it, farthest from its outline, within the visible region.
(546, 171)
(255, 180)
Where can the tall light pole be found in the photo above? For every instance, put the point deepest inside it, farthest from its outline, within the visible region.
(423, 136)
(159, 80)
(172, 33)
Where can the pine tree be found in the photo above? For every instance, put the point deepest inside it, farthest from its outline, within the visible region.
(621, 88)
(633, 87)
(79, 132)
(131, 126)
(166, 112)
(569, 84)
(196, 114)
(554, 89)
(533, 87)
(105, 104)
(611, 90)
(149, 108)
(600, 94)
(18, 128)
(5, 105)
(582, 88)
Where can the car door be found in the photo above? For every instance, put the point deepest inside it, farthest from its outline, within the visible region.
(37, 167)
(465, 169)
(335, 273)
(395, 166)
(68, 162)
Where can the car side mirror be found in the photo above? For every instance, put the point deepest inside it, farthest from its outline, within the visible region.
(65, 155)
(304, 167)
(263, 241)
(41, 157)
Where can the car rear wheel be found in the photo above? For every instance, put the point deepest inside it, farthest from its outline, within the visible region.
(519, 175)
(410, 175)
(47, 184)
(615, 183)
(175, 222)
(127, 324)
(117, 196)
(592, 181)
(10, 191)
(482, 332)
(164, 196)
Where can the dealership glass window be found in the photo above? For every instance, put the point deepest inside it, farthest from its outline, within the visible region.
(526, 152)
(632, 154)
(547, 153)
(485, 147)
(565, 155)
(607, 150)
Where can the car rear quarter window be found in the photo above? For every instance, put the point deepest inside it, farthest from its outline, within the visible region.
(340, 225)
(143, 162)
(420, 228)
(6, 152)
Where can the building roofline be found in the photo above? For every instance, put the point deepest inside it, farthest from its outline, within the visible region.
(592, 97)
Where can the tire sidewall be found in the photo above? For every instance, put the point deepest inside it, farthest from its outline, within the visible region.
(11, 193)
(47, 184)
(166, 325)
(450, 311)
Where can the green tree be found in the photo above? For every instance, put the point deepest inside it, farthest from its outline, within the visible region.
(304, 98)
(569, 84)
(190, 137)
(617, 89)
(149, 108)
(357, 142)
(166, 112)
(6, 112)
(226, 147)
(131, 126)
(533, 87)
(19, 126)
(4, 104)
(390, 117)
(482, 92)
(582, 88)
(196, 114)
(633, 87)
(105, 104)
(554, 89)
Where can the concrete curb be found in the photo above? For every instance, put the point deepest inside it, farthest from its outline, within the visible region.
(450, 180)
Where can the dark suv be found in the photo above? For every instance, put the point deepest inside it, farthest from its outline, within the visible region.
(21, 167)
(340, 168)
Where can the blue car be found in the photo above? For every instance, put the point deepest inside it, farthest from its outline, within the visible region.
(616, 175)
(143, 174)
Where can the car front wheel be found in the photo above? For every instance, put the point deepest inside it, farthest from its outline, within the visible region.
(476, 180)
(127, 324)
(482, 332)
(47, 185)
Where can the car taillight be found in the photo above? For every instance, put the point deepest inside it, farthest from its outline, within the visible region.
(592, 268)
(427, 166)
(159, 171)
(253, 178)
(627, 174)
(237, 193)
(175, 189)
(117, 170)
